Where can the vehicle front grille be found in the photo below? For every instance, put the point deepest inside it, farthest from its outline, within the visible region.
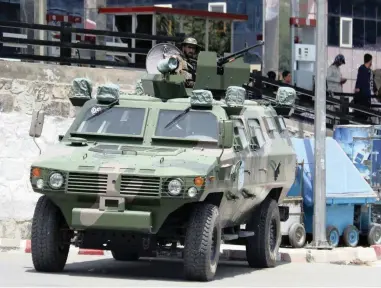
(87, 183)
(140, 186)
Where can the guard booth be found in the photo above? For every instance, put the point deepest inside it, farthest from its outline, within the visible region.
(213, 30)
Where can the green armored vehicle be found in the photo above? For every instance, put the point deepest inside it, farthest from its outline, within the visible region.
(165, 167)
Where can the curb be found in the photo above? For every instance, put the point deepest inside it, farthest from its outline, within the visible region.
(235, 252)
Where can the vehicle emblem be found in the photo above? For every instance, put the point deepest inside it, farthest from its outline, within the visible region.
(276, 169)
(95, 110)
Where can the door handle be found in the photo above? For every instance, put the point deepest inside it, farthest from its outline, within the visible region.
(263, 169)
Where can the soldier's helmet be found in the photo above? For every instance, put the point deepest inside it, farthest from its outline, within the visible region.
(191, 41)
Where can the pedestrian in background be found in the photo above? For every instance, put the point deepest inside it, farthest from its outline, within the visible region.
(365, 87)
(335, 80)
(286, 75)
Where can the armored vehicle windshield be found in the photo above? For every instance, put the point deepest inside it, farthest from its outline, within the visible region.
(193, 125)
(117, 120)
(150, 120)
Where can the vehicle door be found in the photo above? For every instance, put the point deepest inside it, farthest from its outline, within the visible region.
(260, 158)
(279, 152)
(240, 173)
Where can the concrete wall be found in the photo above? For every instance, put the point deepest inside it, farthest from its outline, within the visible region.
(27, 86)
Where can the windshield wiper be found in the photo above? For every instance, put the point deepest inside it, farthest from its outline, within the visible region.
(178, 117)
(112, 104)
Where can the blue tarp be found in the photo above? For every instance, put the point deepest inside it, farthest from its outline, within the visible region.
(344, 183)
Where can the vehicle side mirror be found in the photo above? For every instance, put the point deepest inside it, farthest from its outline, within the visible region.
(225, 137)
(37, 124)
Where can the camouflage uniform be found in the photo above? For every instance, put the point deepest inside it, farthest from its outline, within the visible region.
(189, 72)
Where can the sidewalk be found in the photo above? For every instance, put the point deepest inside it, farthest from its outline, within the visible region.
(235, 252)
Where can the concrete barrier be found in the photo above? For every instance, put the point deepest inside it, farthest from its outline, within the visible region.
(28, 86)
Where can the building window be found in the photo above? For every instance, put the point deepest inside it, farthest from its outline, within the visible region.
(359, 23)
(371, 10)
(334, 7)
(346, 32)
(219, 7)
(378, 38)
(333, 31)
(358, 35)
(358, 9)
(346, 7)
(370, 32)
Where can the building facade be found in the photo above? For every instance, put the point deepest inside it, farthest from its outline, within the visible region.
(354, 28)
(244, 32)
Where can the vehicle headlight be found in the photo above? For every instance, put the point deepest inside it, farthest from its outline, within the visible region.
(56, 180)
(40, 183)
(174, 187)
(192, 192)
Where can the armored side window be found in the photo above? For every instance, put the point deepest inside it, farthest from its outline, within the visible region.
(269, 123)
(256, 132)
(240, 137)
(280, 123)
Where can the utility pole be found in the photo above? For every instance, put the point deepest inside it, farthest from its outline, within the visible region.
(319, 220)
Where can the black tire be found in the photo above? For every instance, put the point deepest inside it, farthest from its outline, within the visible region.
(374, 235)
(50, 247)
(333, 236)
(351, 236)
(120, 255)
(261, 251)
(297, 235)
(202, 243)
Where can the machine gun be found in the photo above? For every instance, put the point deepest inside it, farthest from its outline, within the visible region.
(232, 57)
(165, 80)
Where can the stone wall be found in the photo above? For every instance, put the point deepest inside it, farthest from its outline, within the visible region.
(25, 87)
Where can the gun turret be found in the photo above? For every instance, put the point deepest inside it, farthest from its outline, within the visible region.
(217, 74)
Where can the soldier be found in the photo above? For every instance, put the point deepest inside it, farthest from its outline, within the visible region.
(190, 50)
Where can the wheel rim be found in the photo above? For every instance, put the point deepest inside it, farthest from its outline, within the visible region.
(333, 237)
(214, 245)
(377, 236)
(352, 237)
(273, 234)
(299, 234)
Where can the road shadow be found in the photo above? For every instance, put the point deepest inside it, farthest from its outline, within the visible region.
(147, 269)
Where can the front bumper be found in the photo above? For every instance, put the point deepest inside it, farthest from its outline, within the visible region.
(139, 221)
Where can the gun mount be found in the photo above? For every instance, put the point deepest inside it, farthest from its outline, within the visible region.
(165, 65)
(217, 74)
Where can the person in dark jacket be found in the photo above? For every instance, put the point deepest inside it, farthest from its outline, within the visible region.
(365, 86)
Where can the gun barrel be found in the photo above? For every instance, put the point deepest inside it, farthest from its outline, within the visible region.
(239, 53)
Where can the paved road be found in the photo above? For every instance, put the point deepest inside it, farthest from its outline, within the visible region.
(85, 271)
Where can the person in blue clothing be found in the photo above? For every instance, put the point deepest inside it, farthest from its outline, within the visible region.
(365, 86)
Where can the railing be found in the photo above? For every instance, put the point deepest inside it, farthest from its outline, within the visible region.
(66, 44)
(338, 110)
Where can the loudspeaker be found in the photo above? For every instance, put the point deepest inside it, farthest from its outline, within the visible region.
(158, 52)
